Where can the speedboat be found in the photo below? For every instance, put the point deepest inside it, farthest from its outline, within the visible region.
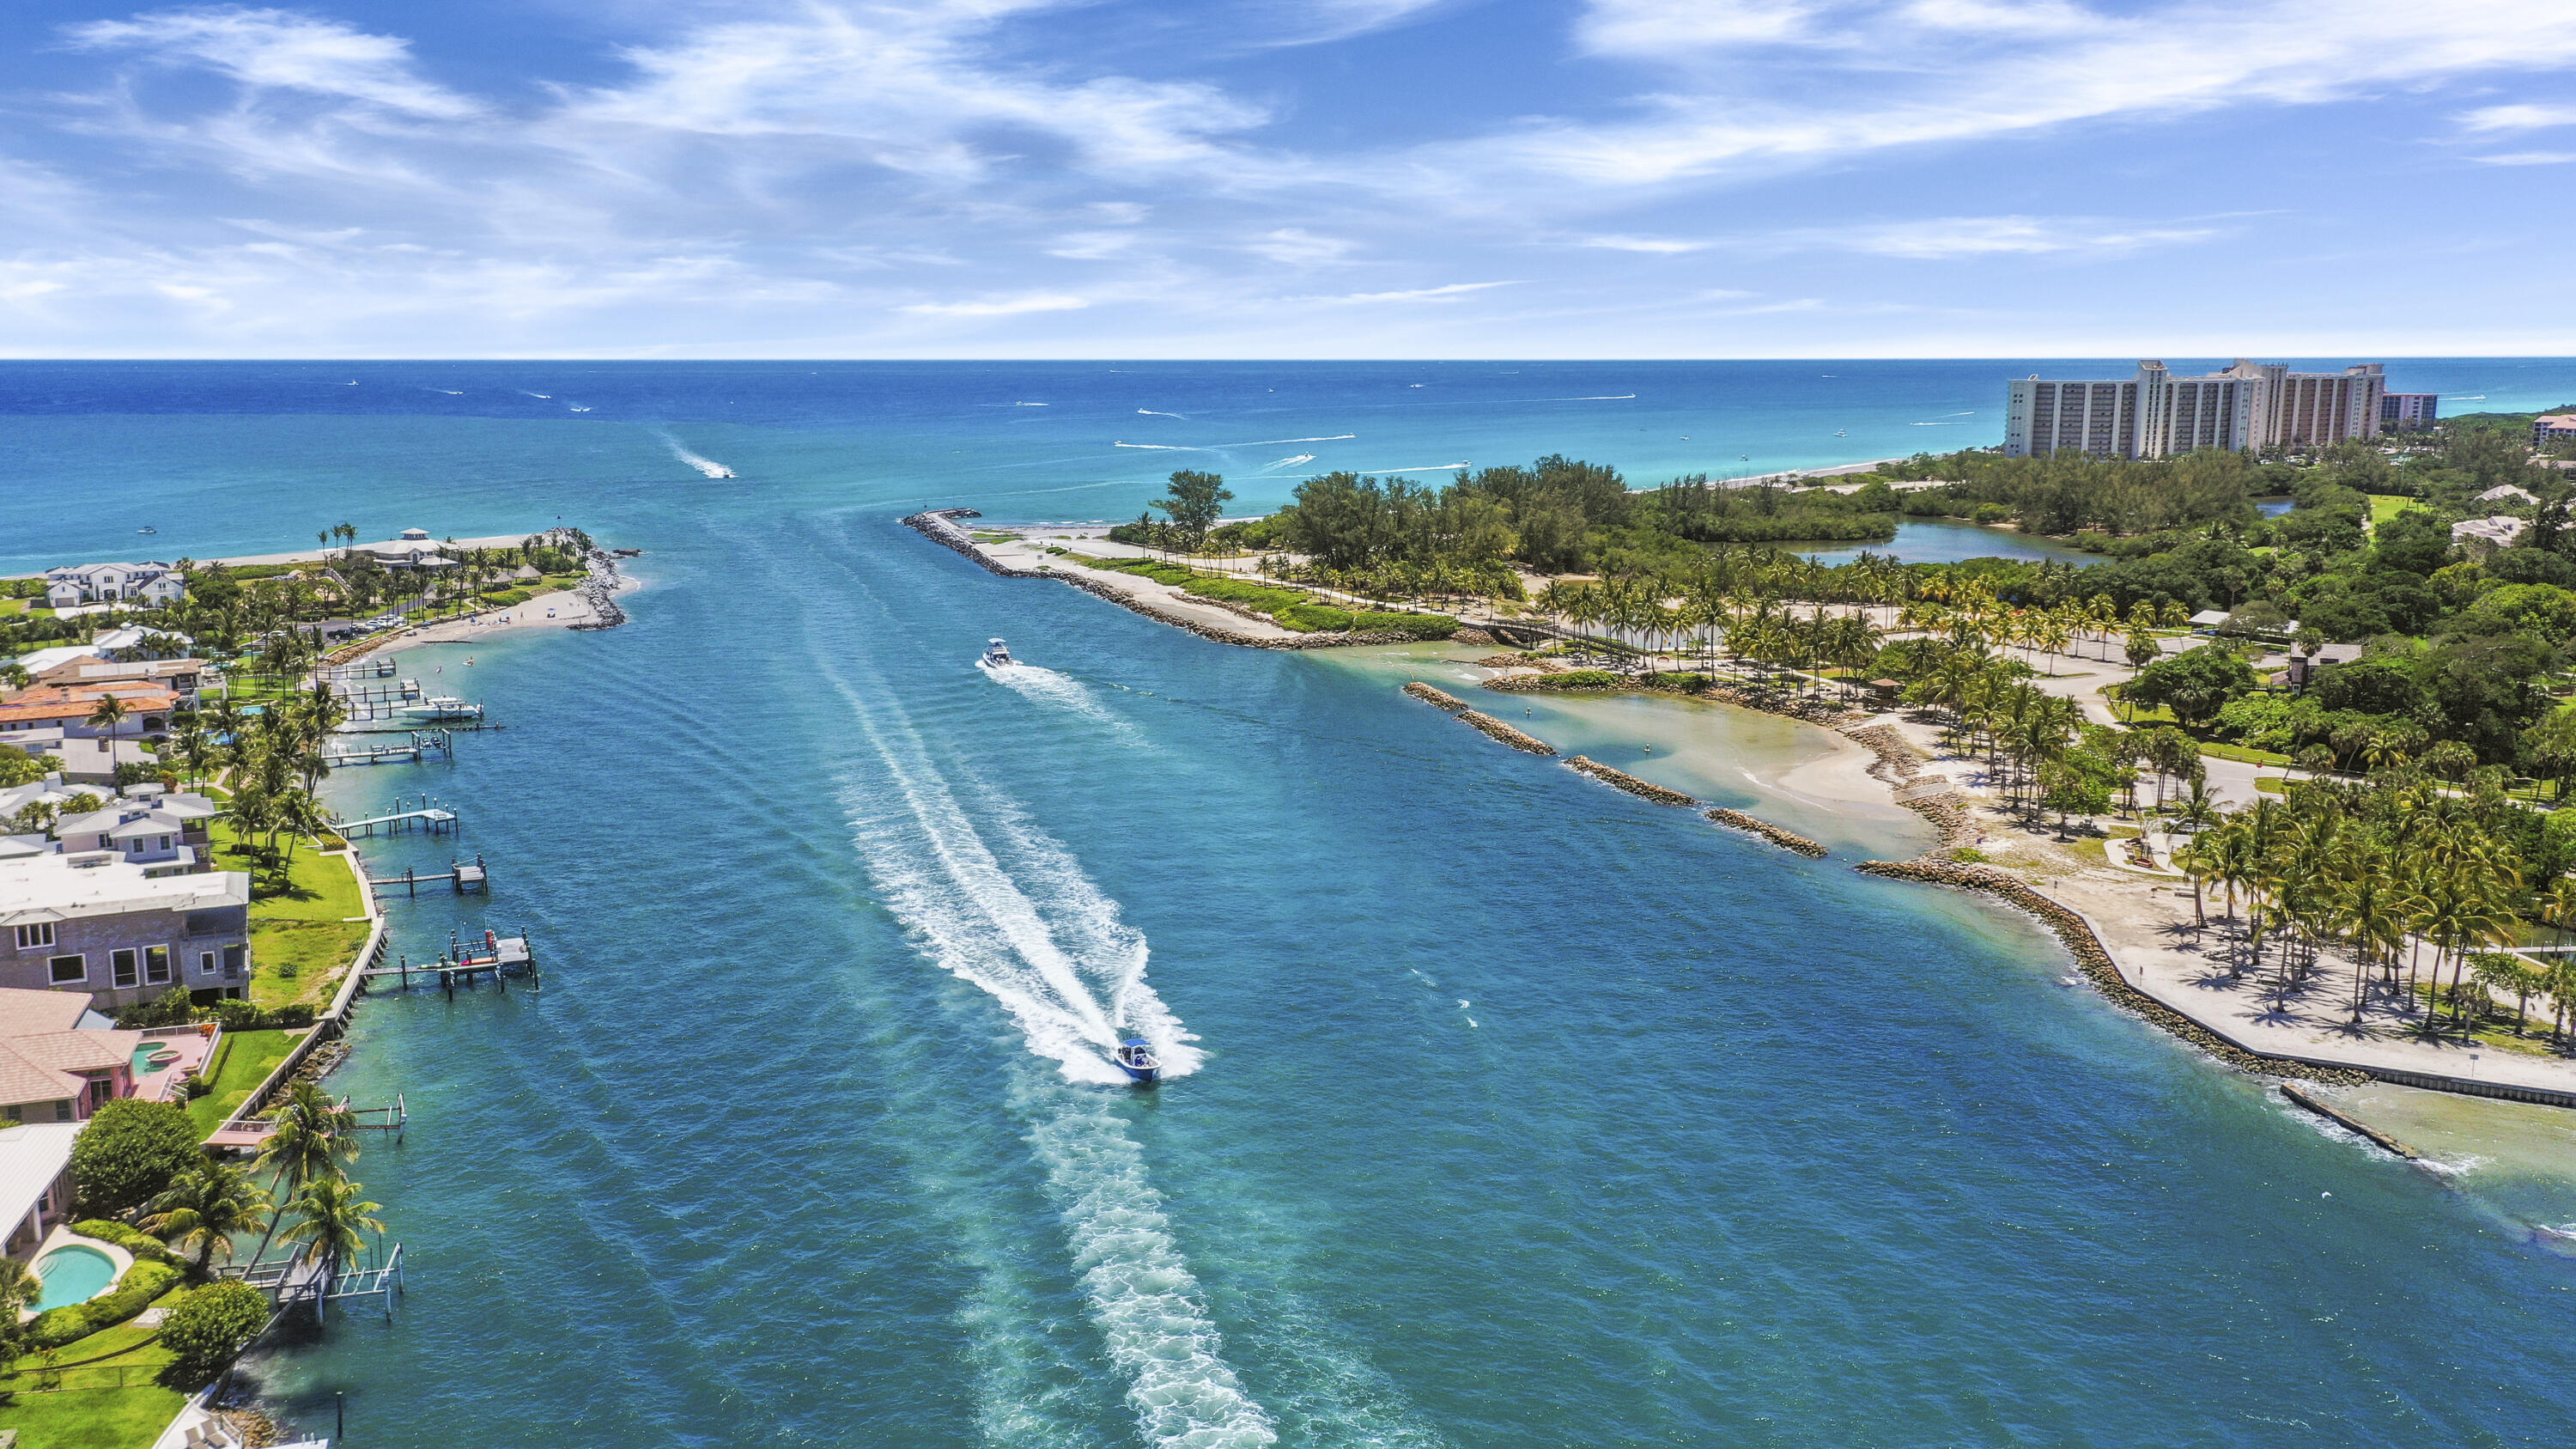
(147, 530)
(442, 706)
(1136, 1059)
(997, 655)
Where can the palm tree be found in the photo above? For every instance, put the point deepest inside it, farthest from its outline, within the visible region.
(330, 1216)
(110, 712)
(204, 1207)
(311, 1138)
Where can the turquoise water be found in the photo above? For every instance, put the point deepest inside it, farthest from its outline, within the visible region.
(1505, 1109)
(73, 1274)
(1920, 540)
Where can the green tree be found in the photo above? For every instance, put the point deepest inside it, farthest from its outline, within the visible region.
(207, 1328)
(311, 1138)
(204, 1207)
(1195, 502)
(2195, 684)
(129, 1154)
(333, 1219)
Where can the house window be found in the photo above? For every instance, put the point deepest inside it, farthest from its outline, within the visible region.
(64, 1111)
(39, 934)
(120, 964)
(233, 962)
(67, 970)
(156, 964)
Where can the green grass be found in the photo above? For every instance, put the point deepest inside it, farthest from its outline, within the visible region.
(2385, 506)
(299, 931)
(2241, 755)
(1292, 608)
(80, 1417)
(243, 1060)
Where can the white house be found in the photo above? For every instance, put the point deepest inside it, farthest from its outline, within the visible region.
(152, 583)
(2507, 493)
(2481, 535)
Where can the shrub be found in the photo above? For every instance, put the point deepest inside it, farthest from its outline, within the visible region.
(135, 1291)
(129, 1152)
(1583, 679)
(1313, 618)
(1412, 626)
(207, 1328)
(170, 1008)
(133, 1240)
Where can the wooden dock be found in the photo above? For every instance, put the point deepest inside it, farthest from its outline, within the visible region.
(416, 750)
(466, 963)
(468, 878)
(425, 816)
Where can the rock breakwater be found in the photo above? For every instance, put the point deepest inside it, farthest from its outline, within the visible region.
(1429, 695)
(1621, 780)
(1508, 735)
(2093, 959)
(1788, 840)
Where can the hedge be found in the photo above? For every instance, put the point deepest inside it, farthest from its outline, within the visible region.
(142, 1283)
(133, 1240)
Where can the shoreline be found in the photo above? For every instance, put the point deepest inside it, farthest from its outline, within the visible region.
(2122, 930)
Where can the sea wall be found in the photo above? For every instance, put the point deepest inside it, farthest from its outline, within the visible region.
(1429, 695)
(938, 526)
(1621, 780)
(2094, 960)
(1785, 839)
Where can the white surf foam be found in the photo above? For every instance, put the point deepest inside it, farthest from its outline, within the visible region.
(1143, 1297)
(706, 465)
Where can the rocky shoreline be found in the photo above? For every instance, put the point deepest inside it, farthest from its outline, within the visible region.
(1788, 840)
(1529, 744)
(2094, 961)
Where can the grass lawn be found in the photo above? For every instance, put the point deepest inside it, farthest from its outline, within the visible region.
(82, 1417)
(2242, 755)
(243, 1060)
(2385, 506)
(299, 932)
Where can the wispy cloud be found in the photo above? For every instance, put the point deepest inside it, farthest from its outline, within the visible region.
(1650, 245)
(1000, 306)
(282, 50)
(1415, 294)
(2519, 118)
(2527, 158)
(1948, 237)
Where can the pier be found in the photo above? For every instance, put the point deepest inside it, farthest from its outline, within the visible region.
(465, 963)
(424, 816)
(467, 879)
(422, 745)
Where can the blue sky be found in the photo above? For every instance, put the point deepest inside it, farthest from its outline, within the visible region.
(1289, 178)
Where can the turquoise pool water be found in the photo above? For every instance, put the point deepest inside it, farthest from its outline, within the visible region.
(73, 1274)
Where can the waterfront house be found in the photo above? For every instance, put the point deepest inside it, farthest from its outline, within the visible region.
(166, 835)
(60, 1059)
(152, 584)
(89, 923)
(35, 1183)
(182, 677)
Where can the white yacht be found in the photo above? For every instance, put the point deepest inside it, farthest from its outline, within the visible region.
(443, 707)
(997, 655)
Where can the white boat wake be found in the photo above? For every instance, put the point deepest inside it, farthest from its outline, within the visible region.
(708, 466)
(1048, 686)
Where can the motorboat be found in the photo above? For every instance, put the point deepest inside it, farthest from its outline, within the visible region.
(1136, 1058)
(147, 530)
(443, 707)
(997, 655)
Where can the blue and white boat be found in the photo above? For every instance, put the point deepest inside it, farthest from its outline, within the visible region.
(1136, 1059)
(997, 655)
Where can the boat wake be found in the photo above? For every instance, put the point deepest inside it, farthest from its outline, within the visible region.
(1290, 462)
(708, 466)
(1149, 412)
(1047, 686)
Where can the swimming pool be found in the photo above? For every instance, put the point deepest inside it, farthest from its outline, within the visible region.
(73, 1274)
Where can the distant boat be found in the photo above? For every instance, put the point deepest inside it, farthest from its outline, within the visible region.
(147, 530)
(997, 655)
(1136, 1059)
(1839, 433)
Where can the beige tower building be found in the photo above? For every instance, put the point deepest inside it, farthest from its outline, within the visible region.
(2156, 414)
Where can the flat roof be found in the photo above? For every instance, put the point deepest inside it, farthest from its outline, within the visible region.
(52, 888)
(32, 1156)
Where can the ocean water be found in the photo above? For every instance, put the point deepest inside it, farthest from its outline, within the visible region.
(1507, 1109)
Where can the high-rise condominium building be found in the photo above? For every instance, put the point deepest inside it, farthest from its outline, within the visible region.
(2408, 412)
(2156, 414)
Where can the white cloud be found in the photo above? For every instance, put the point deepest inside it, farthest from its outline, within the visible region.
(1653, 246)
(281, 50)
(1947, 237)
(1000, 306)
(2527, 158)
(2519, 118)
(1416, 294)
(1295, 247)
(1658, 27)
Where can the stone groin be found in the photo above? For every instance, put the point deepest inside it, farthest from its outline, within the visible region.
(1785, 839)
(1429, 695)
(2094, 960)
(1621, 780)
(1508, 735)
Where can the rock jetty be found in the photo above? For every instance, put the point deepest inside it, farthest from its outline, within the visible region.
(2094, 960)
(1429, 695)
(1621, 780)
(1508, 735)
(1785, 839)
